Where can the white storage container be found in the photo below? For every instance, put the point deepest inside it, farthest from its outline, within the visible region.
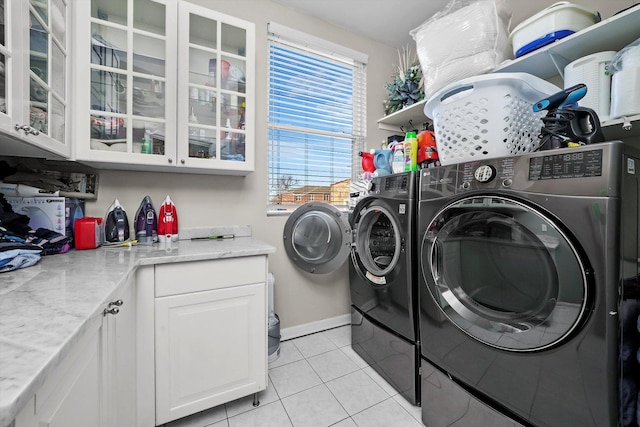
(625, 87)
(592, 70)
(555, 22)
(488, 116)
(625, 83)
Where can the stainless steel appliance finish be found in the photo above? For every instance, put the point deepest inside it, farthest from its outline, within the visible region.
(379, 236)
(528, 289)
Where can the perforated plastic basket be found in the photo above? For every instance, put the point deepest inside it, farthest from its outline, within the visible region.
(488, 116)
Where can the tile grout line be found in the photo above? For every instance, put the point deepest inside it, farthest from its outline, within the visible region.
(324, 383)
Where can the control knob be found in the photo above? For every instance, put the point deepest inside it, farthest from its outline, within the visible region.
(485, 173)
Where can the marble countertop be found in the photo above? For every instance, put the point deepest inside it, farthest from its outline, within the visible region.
(44, 309)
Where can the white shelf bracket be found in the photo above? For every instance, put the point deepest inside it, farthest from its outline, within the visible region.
(391, 128)
(559, 62)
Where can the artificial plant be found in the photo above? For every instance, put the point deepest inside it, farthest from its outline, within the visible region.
(407, 86)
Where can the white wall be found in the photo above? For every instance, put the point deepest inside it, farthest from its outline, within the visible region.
(220, 200)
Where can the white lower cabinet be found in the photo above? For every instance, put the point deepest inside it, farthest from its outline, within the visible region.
(210, 334)
(178, 339)
(94, 386)
(121, 360)
(74, 394)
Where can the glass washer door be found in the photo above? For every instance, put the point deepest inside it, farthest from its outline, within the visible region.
(503, 273)
(317, 238)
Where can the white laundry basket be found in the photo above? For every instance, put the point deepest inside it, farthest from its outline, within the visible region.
(488, 116)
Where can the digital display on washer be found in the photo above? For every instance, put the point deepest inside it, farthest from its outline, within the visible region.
(567, 165)
(396, 182)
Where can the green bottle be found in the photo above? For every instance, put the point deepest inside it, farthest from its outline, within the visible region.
(410, 152)
(146, 144)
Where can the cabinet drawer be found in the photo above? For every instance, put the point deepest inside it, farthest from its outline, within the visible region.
(196, 276)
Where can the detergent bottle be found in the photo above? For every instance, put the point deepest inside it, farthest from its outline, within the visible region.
(168, 222)
(382, 161)
(427, 150)
(410, 152)
(398, 158)
(367, 162)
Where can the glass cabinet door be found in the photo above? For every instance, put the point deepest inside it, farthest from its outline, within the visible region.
(128, 77)
(3, 59)
(167, 87)
(217, 87)
(47, 68)
(34, 55)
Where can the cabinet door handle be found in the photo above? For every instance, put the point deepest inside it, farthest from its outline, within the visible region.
(112, 310)
(170, 160)
(182, 161)
(116, 302)
(27, 129)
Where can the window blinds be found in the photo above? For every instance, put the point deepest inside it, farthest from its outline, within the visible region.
(316, 119)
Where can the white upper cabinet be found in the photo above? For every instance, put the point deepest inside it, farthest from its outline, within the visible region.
(215, 90)
(7, 77)
(34, 89)
(163, 85)
(125, 81)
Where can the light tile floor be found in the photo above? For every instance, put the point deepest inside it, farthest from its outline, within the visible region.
(318, 381)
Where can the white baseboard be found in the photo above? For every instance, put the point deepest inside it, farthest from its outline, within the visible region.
(313, 327)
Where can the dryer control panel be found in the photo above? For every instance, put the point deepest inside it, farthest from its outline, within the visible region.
(578, 164)
(487, 174)
(581, 170)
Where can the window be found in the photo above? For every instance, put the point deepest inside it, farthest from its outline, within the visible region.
(317, 97)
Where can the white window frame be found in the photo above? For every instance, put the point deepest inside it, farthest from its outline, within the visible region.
(305, 44)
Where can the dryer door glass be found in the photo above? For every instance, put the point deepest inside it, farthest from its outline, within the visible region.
(378, 241)
(504, 273)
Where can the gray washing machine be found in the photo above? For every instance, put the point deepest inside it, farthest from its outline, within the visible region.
(529, 289)
(379, 237)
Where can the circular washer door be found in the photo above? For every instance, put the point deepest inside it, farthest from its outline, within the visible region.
(378, 241)
(504, 273)
(317, 238)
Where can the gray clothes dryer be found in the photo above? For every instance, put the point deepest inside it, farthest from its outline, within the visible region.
(379, 238)
(529, 287)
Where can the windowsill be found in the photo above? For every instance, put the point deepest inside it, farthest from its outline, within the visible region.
(279, 213)
(289, 211)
